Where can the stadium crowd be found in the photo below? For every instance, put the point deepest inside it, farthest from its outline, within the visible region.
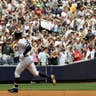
(61, 31)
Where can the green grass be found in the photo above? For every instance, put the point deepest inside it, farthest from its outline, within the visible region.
(58, 86)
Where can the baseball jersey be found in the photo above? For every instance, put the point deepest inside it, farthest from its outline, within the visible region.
(21, 45)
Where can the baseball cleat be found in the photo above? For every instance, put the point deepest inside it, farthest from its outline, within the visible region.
(13, 90)
(53, 79)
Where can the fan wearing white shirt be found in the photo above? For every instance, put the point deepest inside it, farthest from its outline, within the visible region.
(90, 54)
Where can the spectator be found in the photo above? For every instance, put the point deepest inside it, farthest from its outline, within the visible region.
(77, 55)
(62, 57)
(90, 54)
(78, 44)
(43, 57)
(90, 36)
(7, 52)
(54, 57)
(35, 57)
(69, 55)
(49, 23)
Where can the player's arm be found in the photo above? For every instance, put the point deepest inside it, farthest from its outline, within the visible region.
(27, 49)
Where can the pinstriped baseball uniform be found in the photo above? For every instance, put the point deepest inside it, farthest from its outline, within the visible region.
(25, 62)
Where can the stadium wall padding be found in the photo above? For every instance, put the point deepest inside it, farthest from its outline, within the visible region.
(73, 72)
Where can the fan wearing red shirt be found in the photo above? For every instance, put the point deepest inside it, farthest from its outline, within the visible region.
(39, 11)
(77, 55)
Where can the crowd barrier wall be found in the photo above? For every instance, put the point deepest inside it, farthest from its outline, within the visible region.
(73, 72)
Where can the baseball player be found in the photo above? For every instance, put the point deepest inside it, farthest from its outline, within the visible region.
(26, 62)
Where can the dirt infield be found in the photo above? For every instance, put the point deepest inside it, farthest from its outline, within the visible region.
(49, 93)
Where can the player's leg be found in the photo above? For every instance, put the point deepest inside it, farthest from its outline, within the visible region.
(19, 69)
(33, 70)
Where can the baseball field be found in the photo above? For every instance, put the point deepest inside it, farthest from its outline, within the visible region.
(46, 89)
